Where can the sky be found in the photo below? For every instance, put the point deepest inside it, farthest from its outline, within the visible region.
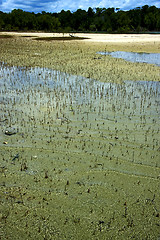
(72, 5)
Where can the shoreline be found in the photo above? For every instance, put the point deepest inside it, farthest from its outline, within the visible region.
(95, 37)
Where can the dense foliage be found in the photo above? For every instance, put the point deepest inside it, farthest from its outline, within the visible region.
(146, 18)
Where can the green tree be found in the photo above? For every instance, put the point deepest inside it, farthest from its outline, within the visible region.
(79, 20)
(65, 18)
(1, 21)
(99, 19)
(47, 22)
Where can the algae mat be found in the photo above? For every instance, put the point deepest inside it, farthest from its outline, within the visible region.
(79, 158)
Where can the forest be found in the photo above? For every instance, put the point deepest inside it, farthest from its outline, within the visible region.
(111, 20)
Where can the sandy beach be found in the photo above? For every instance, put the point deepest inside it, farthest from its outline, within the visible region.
(105, 38)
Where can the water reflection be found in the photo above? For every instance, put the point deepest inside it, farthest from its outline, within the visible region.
(74, 114)
(15, 80)
(152, 58)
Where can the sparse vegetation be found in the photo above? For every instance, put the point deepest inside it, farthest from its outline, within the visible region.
(79, 58)
(5, 36)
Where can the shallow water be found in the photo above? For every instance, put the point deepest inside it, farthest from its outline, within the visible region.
(152, 58)
(77, 143)
(105, 110)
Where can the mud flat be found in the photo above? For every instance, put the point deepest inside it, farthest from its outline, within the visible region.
(79, 57)
(79, 157)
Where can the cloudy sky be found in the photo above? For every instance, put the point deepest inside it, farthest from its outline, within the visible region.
(72, 5)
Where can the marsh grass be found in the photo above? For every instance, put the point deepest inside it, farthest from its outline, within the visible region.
(79, 58)
(5, 36)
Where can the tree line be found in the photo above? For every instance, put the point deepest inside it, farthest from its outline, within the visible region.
(111, 20)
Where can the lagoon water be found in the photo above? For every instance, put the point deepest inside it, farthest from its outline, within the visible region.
(151, 58)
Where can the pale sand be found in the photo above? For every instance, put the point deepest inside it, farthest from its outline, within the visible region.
(122, 37)
(112, 38)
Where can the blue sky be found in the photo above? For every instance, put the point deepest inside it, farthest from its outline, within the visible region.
(72, 5)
